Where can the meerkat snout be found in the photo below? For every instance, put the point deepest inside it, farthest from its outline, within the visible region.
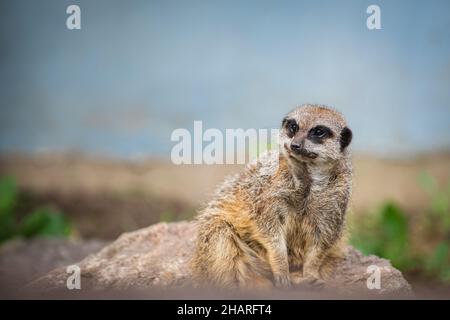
(296, 147)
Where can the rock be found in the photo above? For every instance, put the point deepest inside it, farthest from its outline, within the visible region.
(158, 256)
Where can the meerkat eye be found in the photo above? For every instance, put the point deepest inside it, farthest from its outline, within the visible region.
(292, 127)
(318, 132)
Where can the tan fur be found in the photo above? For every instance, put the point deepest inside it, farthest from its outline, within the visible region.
(284, 213)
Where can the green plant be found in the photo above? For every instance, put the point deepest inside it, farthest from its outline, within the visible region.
(437, 226)
(40, 222)
(8, 199)
(387, 232)
(439, 211)
(44, 222)
(437, 264)
(384, 233)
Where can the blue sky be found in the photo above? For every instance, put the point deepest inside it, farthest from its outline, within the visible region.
(139, 69)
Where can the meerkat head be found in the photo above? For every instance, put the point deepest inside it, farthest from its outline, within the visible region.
(314, 134)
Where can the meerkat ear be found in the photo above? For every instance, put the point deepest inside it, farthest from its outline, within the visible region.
(346, 138)
(284, 121)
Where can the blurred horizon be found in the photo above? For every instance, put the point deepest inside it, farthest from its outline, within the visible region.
(138, 70)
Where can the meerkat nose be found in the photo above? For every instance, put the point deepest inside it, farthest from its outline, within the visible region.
(295, 146)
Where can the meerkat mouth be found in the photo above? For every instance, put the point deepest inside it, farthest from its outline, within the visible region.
(301, 152)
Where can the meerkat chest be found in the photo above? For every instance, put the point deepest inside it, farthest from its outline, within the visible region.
(302, 212)
(295, 226)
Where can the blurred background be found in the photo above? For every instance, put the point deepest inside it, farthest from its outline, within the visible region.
(86, 116)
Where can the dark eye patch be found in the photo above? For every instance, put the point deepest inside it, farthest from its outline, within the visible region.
(291, 126)
(318, 134)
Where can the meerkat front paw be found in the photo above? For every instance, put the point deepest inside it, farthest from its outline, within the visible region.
(282, 281)
(311, 282)
(296, 277)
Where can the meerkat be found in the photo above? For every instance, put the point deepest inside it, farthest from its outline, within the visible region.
(285, 213)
